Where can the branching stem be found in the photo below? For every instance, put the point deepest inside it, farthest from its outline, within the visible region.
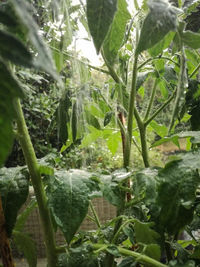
(31, 161)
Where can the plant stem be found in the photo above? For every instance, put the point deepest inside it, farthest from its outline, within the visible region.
(114, 240)
(139, 257)
(157, 58)
(130, 114)
(142, 130)
(160, 109)
(180, 86)
(194, 71)
(95, 215)
(31, 161)
(151, 100)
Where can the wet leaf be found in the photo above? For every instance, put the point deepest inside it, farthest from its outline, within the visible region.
(14, 50)
(14, 188)
(161, 19)
(27, 246)
(10, 89)
(191, 39)
(116, 33)
(100, 14)
(68, 197)
(44, 59)
(145, 234)
(108, 117)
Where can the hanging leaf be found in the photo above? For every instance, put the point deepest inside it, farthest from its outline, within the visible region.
(100, 14)
(10, 89)
(194, 134)
(68, 198)
(108, 117)
(163, 44)
(14, 187)
(27, 246)
(14, 50)
(161, 19)
(161, 130)
(92, 120)
(178, 183)
(43, 60)
(115, 37)
(191, 39)
(145, 234)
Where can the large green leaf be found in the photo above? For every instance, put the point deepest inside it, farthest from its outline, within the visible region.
(14, 187)
(191, 39)
(110, 187)
(68, 197)
(100, 14)
(116, 33)
(145, 234)
(14, 50)
(178, 183)
(27, 246)
(174, 138)
(43, 60)
(10, 89)
(160, 20)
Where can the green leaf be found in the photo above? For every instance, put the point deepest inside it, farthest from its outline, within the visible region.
(115, 37)
(191, 39)
(14, 50)
(178, 183)
(153, 251)
(22, 217)
(145, 185)
(110, 187)
(100, 14)
(194, 134)
(26, 245)
(68, 198)
(92, 120)
(44, 59)
(161, 19)
(44, 169)
(141, 78)
(163, 44)
(161, 130)
(10, 89)
(113, 142)
(108, 117)
(145, 234)
(14, 187)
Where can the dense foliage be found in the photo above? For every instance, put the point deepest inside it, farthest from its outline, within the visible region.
(146, 89)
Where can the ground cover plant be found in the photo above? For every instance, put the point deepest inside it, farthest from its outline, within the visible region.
(153, 62)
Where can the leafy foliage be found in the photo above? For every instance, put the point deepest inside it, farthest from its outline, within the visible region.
(100, 15)
(14, 188)
(160, 20)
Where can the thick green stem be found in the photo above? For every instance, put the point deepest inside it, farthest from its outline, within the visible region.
(180, 86)
(139, 257)
(130, 114)
(142, 130)
(160, 109)
(96, 218)
(31, 161)
(151, 100)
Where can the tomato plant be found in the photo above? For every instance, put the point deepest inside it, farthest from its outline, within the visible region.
(153, 61)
